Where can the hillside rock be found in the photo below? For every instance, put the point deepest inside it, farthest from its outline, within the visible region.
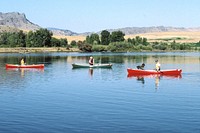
(61, 32)
(17, 20)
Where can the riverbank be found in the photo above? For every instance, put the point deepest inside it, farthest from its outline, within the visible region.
(37, 50)
(61, 49)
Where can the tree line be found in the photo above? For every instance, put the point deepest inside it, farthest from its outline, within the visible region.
(38, 38)
(105, 41)
(115, 42)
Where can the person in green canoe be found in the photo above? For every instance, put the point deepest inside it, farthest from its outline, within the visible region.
(91, 61)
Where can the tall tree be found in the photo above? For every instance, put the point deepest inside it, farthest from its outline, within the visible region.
(63, 42)
(44, 37)
(55, 42)
(105, 37)
(30, 39)
(93, 39)
(117, 36)
(138, 40)
(21, 39)
(73, 43)
(3, 38)
(39, 38)
(144, 41)
(88, 40)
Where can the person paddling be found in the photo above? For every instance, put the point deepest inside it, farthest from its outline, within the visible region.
(22, 62)
(157, 65)
(91, 61)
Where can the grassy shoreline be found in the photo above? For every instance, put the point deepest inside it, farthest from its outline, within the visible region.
(61, 49)
(37, 50)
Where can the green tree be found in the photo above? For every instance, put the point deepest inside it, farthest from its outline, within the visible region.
(55, 42)
(138, 40)
(117, 36)
(3, 39)
(93, 39)
(129, 40)
(39, 38)
(105, 37)
(144, 41)
(88, 39)
(30, 39)
(73, 43)
(21, 39)
(133, 41)
(43, 37)
(12, 39)
(174, 46)
(63, 42)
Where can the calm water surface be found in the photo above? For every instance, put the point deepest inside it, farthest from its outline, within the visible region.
(61, 99)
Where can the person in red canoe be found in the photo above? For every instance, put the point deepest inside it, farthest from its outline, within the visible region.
(157, 65)
(22, 62)
(91, 61)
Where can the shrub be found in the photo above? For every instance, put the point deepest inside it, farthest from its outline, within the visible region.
(99, 48)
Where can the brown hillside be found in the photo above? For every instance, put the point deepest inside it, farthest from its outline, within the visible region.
(187, 36)
(182, 37)
(71, 38)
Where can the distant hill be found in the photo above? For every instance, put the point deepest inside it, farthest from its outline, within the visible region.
(62, 32)
(16, 20)
(139, 30)
(142, 30)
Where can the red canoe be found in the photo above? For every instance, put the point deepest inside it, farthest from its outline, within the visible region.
(25, 66)
(148, 72)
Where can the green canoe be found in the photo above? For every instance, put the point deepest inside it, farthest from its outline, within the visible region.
(75, 65)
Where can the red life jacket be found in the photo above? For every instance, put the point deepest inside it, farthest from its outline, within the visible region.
(91, 61)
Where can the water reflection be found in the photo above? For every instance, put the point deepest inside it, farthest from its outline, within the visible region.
(157, 81)
(157, 77)
(23, 71)
(101, 73)
(91, 72)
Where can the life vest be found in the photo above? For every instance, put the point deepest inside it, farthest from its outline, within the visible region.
(91, 61)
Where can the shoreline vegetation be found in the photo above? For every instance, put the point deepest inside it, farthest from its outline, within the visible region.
(62, 49)
(42, 40)
(37, 50)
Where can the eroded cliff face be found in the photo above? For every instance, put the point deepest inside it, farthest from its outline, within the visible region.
(17, 20)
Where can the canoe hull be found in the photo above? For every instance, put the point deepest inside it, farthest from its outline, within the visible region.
(24, 66)
(75, 65)
(149, 72)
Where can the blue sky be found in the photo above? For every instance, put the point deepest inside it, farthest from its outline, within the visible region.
(96, 15)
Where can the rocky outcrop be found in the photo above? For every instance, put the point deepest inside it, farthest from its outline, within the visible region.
(17, 20)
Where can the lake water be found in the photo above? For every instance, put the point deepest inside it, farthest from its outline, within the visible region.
(61, 99)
